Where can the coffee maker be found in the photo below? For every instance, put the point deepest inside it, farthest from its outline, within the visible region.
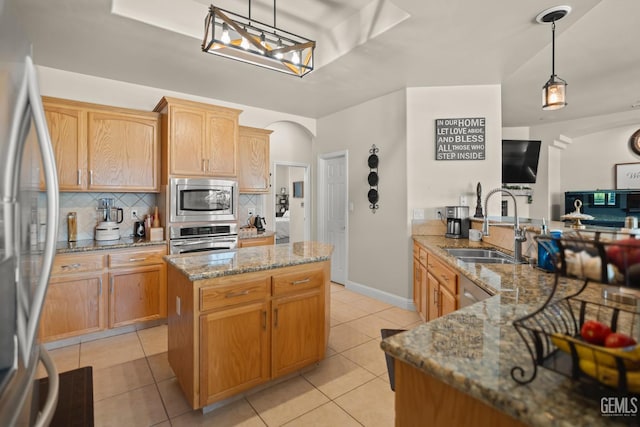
(107, 228)
(457, 222)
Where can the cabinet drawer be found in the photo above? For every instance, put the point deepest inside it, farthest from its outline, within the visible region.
(231, 292)
(297, 280)
(255, 241)
(443, 274)
(137, 257)
(77, 263)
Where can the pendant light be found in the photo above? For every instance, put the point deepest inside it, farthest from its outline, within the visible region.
(554, 91)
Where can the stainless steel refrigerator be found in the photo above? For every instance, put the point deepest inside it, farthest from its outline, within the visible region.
(26, 160)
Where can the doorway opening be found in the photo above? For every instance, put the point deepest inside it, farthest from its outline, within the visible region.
(291, 205)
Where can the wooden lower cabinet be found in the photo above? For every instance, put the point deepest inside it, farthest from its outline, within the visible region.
(435, 286)
(74, 306)
(137, 295)
(231, 333)
(256, 241)
(234, 350)
(297, 331)
(90, 292)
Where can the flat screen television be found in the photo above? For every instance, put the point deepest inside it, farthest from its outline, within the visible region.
(520, 161)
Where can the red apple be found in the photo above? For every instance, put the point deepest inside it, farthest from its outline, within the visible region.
(594, 332)
(615, 340)
(624, 253)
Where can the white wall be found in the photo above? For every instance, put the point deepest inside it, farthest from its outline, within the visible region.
(82, 87)
(378, 242)
(432, 183)
(296, 206)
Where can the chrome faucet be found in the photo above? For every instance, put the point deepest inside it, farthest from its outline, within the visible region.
(519, 235)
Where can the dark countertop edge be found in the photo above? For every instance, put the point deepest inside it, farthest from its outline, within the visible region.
(86, 246)
(252, 269)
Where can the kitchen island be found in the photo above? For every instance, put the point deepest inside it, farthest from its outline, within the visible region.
(240, 318)
(456, 369)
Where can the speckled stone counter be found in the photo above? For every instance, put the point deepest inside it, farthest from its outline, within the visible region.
(246, 260)
(475, 348)
(94, 245)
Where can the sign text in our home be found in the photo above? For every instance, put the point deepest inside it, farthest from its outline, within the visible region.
(460, 139)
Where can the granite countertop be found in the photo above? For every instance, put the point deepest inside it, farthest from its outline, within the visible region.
(475, 348)
(246, 260)
(94, 245)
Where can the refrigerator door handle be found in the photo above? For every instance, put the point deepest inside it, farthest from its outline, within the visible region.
(49, 408)
(51, 182)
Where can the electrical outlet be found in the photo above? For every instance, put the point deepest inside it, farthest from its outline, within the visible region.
(134, 214)
(439, 214)
(251, 210)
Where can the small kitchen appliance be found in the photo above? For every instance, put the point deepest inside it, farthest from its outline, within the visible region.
(259, 223)
(457, 222)
(107, 228)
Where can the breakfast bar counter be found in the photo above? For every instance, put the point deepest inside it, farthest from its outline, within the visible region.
(471, 352)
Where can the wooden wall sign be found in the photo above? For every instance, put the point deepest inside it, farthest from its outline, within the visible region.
(460, 139)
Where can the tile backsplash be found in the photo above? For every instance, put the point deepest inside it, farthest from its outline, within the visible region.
(86, 204)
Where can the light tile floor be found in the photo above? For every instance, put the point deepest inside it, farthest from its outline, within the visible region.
(134, 385)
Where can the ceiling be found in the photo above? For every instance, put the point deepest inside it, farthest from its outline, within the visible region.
(366, 48)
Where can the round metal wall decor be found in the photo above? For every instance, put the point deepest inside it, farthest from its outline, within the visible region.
(634, 142)
(373, 178)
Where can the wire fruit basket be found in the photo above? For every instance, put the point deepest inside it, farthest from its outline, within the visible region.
(608, 274)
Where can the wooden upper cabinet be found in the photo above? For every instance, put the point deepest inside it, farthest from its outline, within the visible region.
(68, 127)
(101, 148)
(253, 160)
(124, 153)
(198, 139)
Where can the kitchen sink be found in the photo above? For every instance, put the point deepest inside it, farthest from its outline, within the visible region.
(484, 256)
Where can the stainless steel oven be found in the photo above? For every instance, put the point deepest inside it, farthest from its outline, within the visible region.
(189, 238)
(202, 200)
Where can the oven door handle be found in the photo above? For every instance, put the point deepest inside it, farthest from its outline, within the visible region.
(190, 243)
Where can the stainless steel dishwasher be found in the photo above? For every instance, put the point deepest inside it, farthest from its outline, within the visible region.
(470, 293)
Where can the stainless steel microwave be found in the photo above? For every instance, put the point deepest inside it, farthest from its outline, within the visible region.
(203, 200)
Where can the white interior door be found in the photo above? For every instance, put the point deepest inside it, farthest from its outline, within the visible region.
(335, 215)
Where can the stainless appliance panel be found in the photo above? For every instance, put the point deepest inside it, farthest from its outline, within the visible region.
(470, 293)
(25, 152)
(203, 244)
(202, 200)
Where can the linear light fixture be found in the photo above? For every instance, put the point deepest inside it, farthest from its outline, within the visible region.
(554, 91)
(244, 39)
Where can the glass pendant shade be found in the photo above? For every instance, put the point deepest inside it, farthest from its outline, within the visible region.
(233, 36)
(554, 94)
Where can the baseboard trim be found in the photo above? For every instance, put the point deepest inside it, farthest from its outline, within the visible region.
(383, 296)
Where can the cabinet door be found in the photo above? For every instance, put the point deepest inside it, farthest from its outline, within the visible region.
(433, 291)
(137, 294)
(123, 152)
(74, 306)
(234, 350)
(253, 160)
(447, 301)
(424, 293)
(187, 141)
(298, 331)
(67, 127)
(417, 278)
(221, 144)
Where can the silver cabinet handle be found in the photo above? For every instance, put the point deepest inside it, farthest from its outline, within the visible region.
(99, 285)
(79, 176)
(136, 259)
(111, 285)
(204, 165)
(300, 282)
(237, 294)
(275, 318)
(91, 177)
(70, 266)
(435, 297)
(264, 320)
